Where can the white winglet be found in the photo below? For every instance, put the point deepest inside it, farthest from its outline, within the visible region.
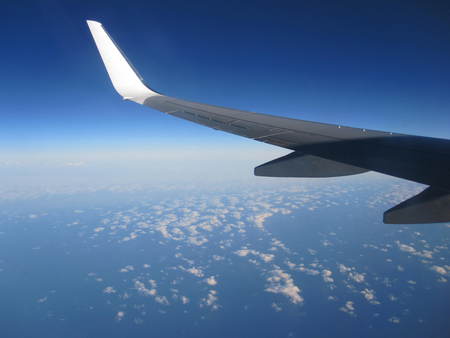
(123, 76)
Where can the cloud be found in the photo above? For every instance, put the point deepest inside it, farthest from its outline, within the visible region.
(411, 250)
(261, 218)
(369, 295)
(344, 269)
(162, 300)
(439, 269)
(326, 275)
(266, 257)
(349, 308)
(394, 320)
(120, 315)
(127, 268)
(357, 277)
(242, 252)
(263, 256)
(210, 300)
(194, 271)
(109, 290)
(140, 287)
(197, 240)
(211, 281)
(276, 307)
(351, 273)
(281, 282)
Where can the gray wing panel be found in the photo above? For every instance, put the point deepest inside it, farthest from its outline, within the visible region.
(279, 131)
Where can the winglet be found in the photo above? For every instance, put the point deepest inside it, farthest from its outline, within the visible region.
(125, 79)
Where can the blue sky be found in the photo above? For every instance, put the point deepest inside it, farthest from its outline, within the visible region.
(379, 65)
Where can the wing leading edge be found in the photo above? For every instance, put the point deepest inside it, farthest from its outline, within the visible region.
(319, 149)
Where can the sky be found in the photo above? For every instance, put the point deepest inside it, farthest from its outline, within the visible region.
(381, 65)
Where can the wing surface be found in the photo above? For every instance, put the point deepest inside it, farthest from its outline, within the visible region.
(319, 149)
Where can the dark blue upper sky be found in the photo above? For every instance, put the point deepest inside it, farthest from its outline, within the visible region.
(374, 64)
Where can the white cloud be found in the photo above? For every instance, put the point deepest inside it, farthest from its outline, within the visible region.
(344, 269)
(162, 300)
(411, 250)
(357, 277)
(326, 275)
(349, 308)
(198, 240)
(211, 300)
(211, 281)
(120, 315)
(311, 272)
(276, 307)
(242, 252)
(195, 271)
(369, 295)
(281, 282)
(266, 257)
(218, 258)
(109, 290)
(140, 287)
(394, 320)
(439, 269)
(127, 268)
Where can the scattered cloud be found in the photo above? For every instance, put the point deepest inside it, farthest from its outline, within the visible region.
(394, 320)
(349, 308)
(439, 269)
(210, 300)
(326, 275)
(211, 281)
(282, 283)
(109, 290)
(120, 315)
(276, 307)
(369, 295)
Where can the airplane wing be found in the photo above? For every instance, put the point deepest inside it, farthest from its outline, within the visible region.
(318, 149)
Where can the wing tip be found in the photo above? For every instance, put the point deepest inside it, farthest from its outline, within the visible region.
(93, 23)
(124, 77)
